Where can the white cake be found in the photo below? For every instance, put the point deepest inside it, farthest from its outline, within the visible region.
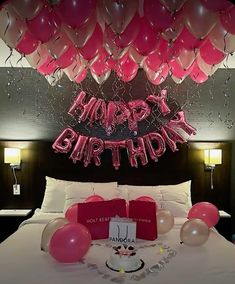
(124, 259)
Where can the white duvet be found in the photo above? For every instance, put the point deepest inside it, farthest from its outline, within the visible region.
(166, 260)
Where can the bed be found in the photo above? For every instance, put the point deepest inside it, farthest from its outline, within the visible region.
(166, 259)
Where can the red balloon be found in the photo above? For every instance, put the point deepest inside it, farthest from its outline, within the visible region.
(48, 67)
(167, 51)
(130, 33)
(157, 14)
(127, 66)
(197, 75)
(93, 45)
(153, 61)
(45, 25)
(189, 41)
(227, 20)
(67, 58)
(70, 243)
(216, 6)
(94, 198)
(178, 71)
(75, 13)
(146, 40)
(99, 66)
(71, 213)
(210, 54)
(27, 44)
(205, 211)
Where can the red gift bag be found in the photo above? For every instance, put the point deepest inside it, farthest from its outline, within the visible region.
(144, 213)
(96, 216)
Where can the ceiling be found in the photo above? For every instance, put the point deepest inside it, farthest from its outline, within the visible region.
(15, 60)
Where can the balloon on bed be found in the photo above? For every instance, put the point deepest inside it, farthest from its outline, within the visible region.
(202, 216)
(166, 38)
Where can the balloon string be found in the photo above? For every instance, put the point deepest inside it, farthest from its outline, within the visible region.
(8, 24)
(9, 55)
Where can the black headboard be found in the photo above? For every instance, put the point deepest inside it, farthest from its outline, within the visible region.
(39, 160)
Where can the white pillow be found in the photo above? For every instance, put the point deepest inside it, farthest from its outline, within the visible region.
(78, 192)
(176, 198)
(54, 196)
(134, 191)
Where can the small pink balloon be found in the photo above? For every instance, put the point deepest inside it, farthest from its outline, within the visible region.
(178, 71)
(197, 75)
(187, 40)
(27, 44)
(210, 54)
(67, 58)
(145, 198)
(127, 66)
(70, 243)
(153, 61)
(94, 198)
(99, 66)
(72, 213)
(167, 51)
(48, 67)
(205, 211)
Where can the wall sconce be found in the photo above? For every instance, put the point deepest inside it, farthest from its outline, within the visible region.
(212, 157)
(12, 157)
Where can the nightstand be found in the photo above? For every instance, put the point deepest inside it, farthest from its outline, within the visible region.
(224, 226)
(10, 220)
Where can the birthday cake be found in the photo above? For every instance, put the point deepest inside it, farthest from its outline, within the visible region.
(124, 258)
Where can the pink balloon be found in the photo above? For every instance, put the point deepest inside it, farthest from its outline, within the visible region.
(136, 151)
(94, 198)
(145, 198)
(153, 61)
(27, 44)
(63, 143)
(178, 71)
(67, 58)
(80, 77)
(99, 66)
(146, 39)
(126, 66)
(70, 243)
(94, 149)
(175, 28)
(205, 211)
(216, 6)
(167, 51)
(48, 67)
(197, 75)
(227, 20)
(188, 41)
(151, 140)
(71, 213)
(157, 14)
(45, 25)
(210, 54)
(75, 13)
(93, 45)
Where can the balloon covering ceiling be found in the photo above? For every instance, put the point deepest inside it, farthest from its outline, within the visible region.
(176, 38)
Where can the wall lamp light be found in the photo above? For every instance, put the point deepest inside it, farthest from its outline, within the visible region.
(12, 156)
(212, 157)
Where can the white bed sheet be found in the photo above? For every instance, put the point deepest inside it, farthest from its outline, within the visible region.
(166, 260)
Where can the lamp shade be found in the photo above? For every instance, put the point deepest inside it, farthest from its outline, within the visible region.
(213, 157)
(12, 156)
